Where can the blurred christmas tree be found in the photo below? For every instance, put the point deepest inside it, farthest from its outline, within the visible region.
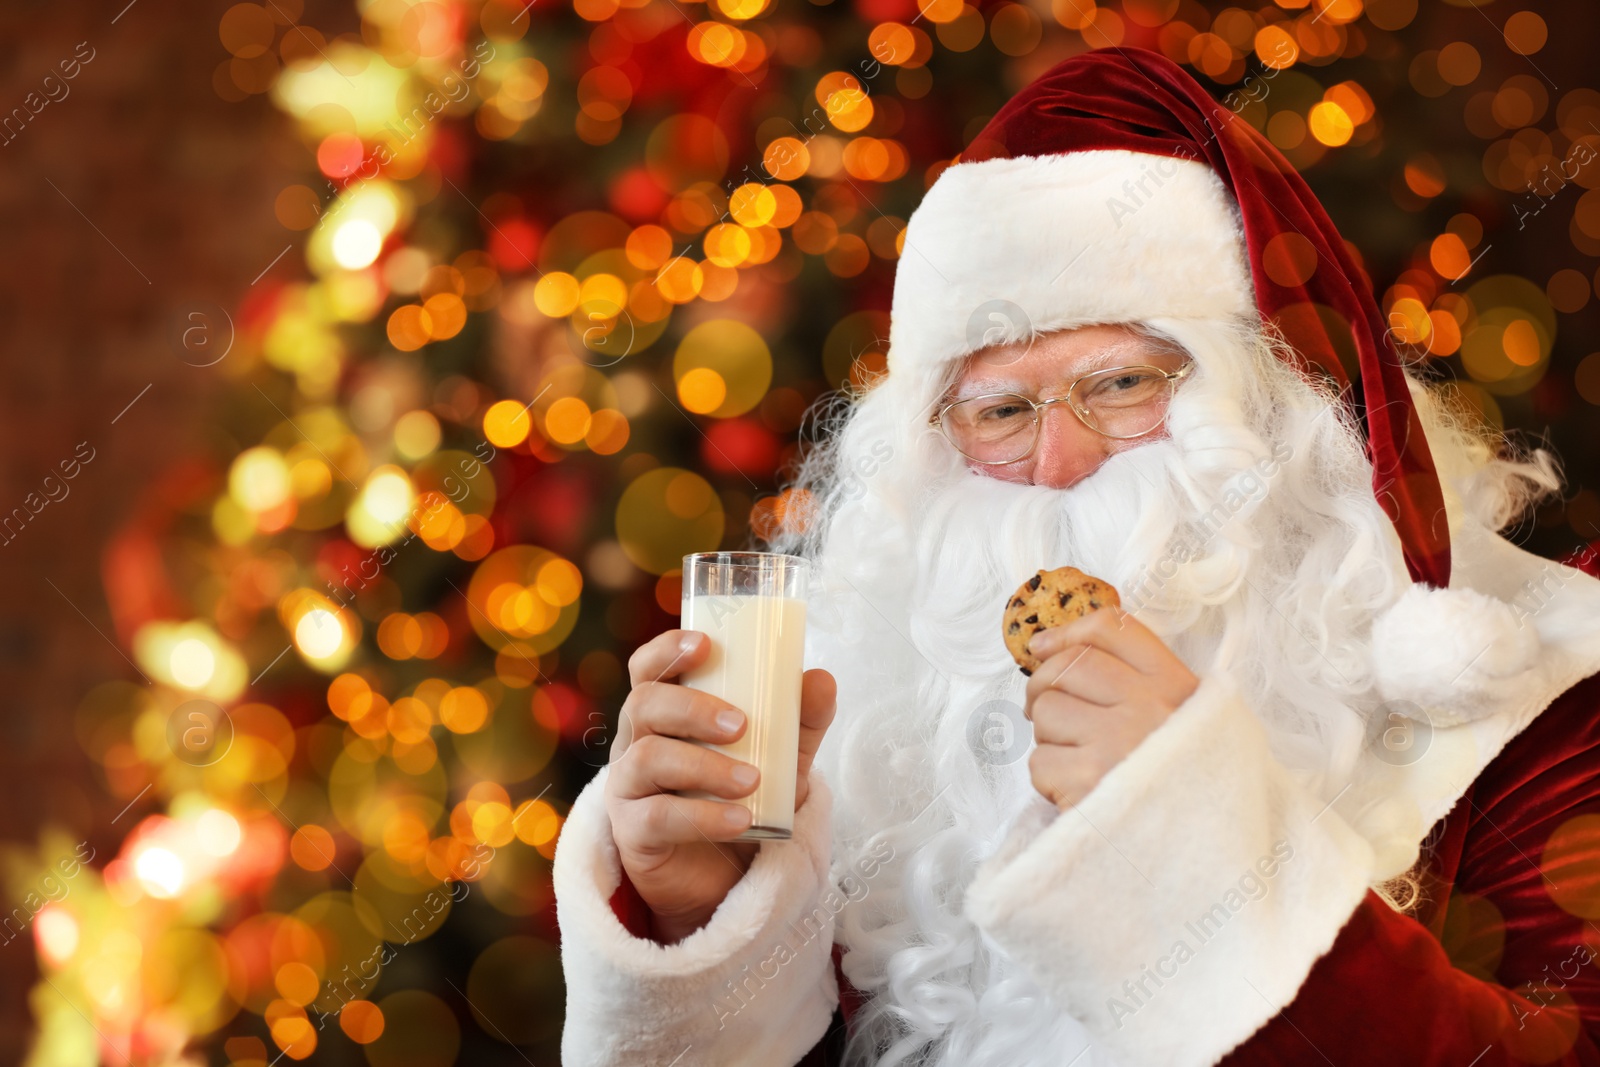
(569, 279)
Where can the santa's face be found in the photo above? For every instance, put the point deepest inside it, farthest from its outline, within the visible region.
(1083, 362)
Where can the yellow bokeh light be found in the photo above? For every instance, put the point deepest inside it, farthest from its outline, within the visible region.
(1521, 343)
(410, 720)
(560, 582)
(536, 822)
(192, 663)
(603, 294)
(1339, 11)
(378, 514)
(218, 832)
(1409, 322)
(556, 294)
(352, 230)
(463, 710)
(608, 432)
(506, 424)
(409, 327)
(259, 479)
(739, 365)
(727, 244)
(786, 158)
(567, 420)
(310, 478)
(508, 612)
(416, 434)
(665, 514)
(441, 526)
(1330, 124)
(680, 280)
(294, 1034)
(159, 871)
(190, 655)
(356, 244)
(741, 9)
(297, 983)
(446, 314)
(491, 824)
(318, 634)
(702, 390)
(57, 933)
(753, 204)
(891, 43)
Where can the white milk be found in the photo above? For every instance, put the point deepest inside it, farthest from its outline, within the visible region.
(755, 663)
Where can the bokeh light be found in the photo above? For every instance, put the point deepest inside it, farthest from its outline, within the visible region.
(563, 285)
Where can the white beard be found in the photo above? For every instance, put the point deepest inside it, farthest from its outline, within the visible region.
(927, 754)
(930, 742)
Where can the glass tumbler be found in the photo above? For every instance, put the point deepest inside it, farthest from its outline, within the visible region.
(752, 606)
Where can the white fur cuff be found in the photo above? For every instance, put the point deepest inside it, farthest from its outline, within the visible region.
(1181, 905)
(754, 985)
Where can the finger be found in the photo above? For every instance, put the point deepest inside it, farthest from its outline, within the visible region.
(818, 702)
(1062, 719)
(654, 823)
(667, 655)
(678, 711)
(1063, 774)
(1083, 670)
(656, 764)
(1110, 630)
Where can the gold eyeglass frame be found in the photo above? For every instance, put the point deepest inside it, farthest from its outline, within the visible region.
(1173, 378)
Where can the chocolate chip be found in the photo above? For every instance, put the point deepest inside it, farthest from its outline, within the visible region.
(1026, 671)
(1017, 603)
(1031, 618)
(1033, 583)
(1014, 628)
(1063, 597)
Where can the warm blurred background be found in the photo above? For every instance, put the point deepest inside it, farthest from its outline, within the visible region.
(371, 363)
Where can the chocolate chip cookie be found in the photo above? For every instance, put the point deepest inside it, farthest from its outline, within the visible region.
(1051, 598)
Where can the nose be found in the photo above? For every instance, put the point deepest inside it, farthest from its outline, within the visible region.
(1068, 451)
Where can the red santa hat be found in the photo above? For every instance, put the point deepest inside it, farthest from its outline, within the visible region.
(1115, 189)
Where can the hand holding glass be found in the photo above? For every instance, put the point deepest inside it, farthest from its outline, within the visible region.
(752, 607)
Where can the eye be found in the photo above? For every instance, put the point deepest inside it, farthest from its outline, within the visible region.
(1128, 381)
(1001, 410)
(1126, 386)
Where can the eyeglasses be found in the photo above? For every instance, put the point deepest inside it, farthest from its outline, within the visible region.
(1118, 402)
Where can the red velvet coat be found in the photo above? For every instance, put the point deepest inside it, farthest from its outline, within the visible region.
(1497, 968)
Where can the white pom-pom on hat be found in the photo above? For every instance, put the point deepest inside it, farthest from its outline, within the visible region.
(1456, 653)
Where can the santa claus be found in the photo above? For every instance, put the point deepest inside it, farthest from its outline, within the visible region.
(1325, 789)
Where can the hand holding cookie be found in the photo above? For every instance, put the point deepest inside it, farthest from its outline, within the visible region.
(1100, 681)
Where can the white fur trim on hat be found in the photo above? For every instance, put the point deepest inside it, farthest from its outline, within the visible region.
(1455, 653)
(1002, 248)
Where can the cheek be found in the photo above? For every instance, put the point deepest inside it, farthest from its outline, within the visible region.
(1010, 473)
(1158, 434)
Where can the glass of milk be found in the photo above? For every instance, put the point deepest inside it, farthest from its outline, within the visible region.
(752, 606)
